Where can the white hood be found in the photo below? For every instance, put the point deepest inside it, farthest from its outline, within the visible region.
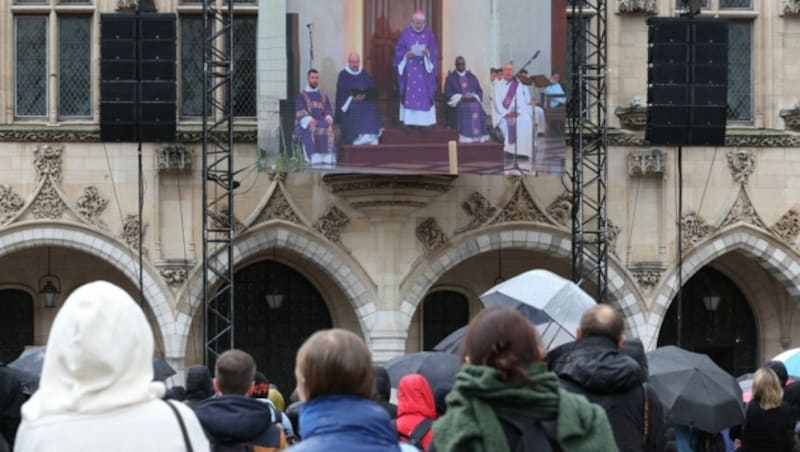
(99, 356)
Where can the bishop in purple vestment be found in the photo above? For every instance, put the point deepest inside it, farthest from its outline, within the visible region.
(415, 56)
(356, 109)
(314, 121)
(464, 94)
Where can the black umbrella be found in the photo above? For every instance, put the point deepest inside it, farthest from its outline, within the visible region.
(436, 367)
(694, 390)
(452, 342)
(28, 382)
(162, 370)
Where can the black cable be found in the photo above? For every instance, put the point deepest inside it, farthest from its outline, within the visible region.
(680, 246)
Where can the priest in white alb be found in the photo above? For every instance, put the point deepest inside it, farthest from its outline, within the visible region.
(512, 113)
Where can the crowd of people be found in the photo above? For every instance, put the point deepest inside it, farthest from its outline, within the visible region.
(97, 392)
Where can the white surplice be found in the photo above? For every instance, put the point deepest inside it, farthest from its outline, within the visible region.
(521, 103)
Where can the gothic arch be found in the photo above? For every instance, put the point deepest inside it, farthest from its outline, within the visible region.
(335, 264)
(519, 236)
(776, 258)
(23, 236)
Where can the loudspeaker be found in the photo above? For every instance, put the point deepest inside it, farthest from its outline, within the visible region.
(138, 77)
(687, 81)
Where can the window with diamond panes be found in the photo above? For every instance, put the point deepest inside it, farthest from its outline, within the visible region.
(74, 66)
(31, 66)
(740, 71)
(191, 66)
(31, 2)
(244, 65)
(725, 4)
(569, 76)
(74, 2)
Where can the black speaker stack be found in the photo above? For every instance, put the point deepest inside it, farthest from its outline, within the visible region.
(687, 81)
(137, 77)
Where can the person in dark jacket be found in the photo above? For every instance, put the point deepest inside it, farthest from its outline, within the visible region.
(654, 440)
(334, 378)
(383, 390)
(11, 400)
(198, 385)
(233, 418)
(769, 425)
(176, 393)
(594, 367)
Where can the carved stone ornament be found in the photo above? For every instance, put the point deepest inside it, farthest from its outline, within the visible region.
(748, 139)
(221, 218)
(792, 118)
(790, 7)
(126, 5)
(637, 7)
(10, 203)
(647, 274)
(788, 226)
(175, 158)
(91, 134)
(743, 211)
(174, 276)
(613, 235)
(694, 229)
(741, 163)
(91, 205)
(431, 235)
(48, 204)
(647, 162)
(130, 232)
(278, 208)
(560, 210)
(479, 208)
(331, 224)
(521, 207)
(632, 117)
(47, 161)
(387, 195)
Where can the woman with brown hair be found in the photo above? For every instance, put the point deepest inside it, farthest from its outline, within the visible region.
(505, 397)
(769, 425)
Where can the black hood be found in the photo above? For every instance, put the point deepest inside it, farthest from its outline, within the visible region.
(198, 383)
(383, 386)
(234, 418)
(595, 364)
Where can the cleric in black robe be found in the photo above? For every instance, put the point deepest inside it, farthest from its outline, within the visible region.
(356, 109)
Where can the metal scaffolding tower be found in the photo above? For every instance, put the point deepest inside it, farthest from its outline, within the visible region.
(588, 111)
(218, 183)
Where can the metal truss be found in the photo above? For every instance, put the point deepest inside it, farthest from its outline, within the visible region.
(588, 112)
(218, 183)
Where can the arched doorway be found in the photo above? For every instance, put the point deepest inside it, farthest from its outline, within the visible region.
(16, 323)
(273, 328)
(442, 313)
(717, 321)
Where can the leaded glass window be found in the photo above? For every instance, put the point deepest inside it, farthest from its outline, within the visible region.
(569, 76)
(723, 4)
(74, 2)
(31, 66)
(244, 65)
(681, 3)
(30, 2)
(191, 65)
(740, 71)
(74, 66)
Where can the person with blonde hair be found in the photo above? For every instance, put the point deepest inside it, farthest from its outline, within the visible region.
(769, 426)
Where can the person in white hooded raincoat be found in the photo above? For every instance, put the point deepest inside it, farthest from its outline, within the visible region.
(97, 391)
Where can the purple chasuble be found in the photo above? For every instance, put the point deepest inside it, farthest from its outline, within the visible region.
(508, 101)
(417, 85)
(361, 117)
(470, 118)
(316, 139)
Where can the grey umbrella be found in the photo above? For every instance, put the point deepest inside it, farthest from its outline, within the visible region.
(552, 303)
(436, 367)
(694, 390)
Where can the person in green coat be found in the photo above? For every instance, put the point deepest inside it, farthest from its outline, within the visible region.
(504, 372)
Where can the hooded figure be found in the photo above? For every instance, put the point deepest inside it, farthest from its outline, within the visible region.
(414, 405)
(198, 385)
(97, 390)
(383, 390)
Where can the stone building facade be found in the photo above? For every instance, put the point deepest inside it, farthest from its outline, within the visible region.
(368, 252)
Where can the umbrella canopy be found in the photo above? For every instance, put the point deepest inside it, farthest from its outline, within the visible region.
(436, 367)
(452, 342)
(694, 390)
(29, 383)
(162, 370)
(746, 383)
(791, 359)
(550, 302)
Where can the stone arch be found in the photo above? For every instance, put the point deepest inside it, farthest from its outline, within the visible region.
(22, 236)
(335, 264)
(520, 236)
(779, 260)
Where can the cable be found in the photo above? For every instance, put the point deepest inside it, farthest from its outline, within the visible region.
(680, 246)
(632, 222)
(180, 212)
(708, 179)
(113, 185)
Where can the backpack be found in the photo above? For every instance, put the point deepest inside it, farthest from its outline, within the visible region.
(419, 432)
(525, 434)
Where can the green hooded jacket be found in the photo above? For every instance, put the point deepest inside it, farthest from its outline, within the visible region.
(470, 424)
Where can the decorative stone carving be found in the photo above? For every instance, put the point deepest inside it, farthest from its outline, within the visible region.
(10, 203)
(637, 7)
(788, 226)
(431, 235)
(384, 195)
(742, 210)
(345, 183)
(644, 163)
(521, 207)
(130, 232)
(91, 206)
(633, 116)
(126, 5)
(790, 7)
(741, 163)
(221, 218)
(278, 208)
(91, 134)
(331, 224)
(613, 235)
(174, 276)
(647, 274)
(47, 161)
(175, 158)
(560, 210)
(694, 229)
(752, 140)
(479, 208)
(48, 204)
